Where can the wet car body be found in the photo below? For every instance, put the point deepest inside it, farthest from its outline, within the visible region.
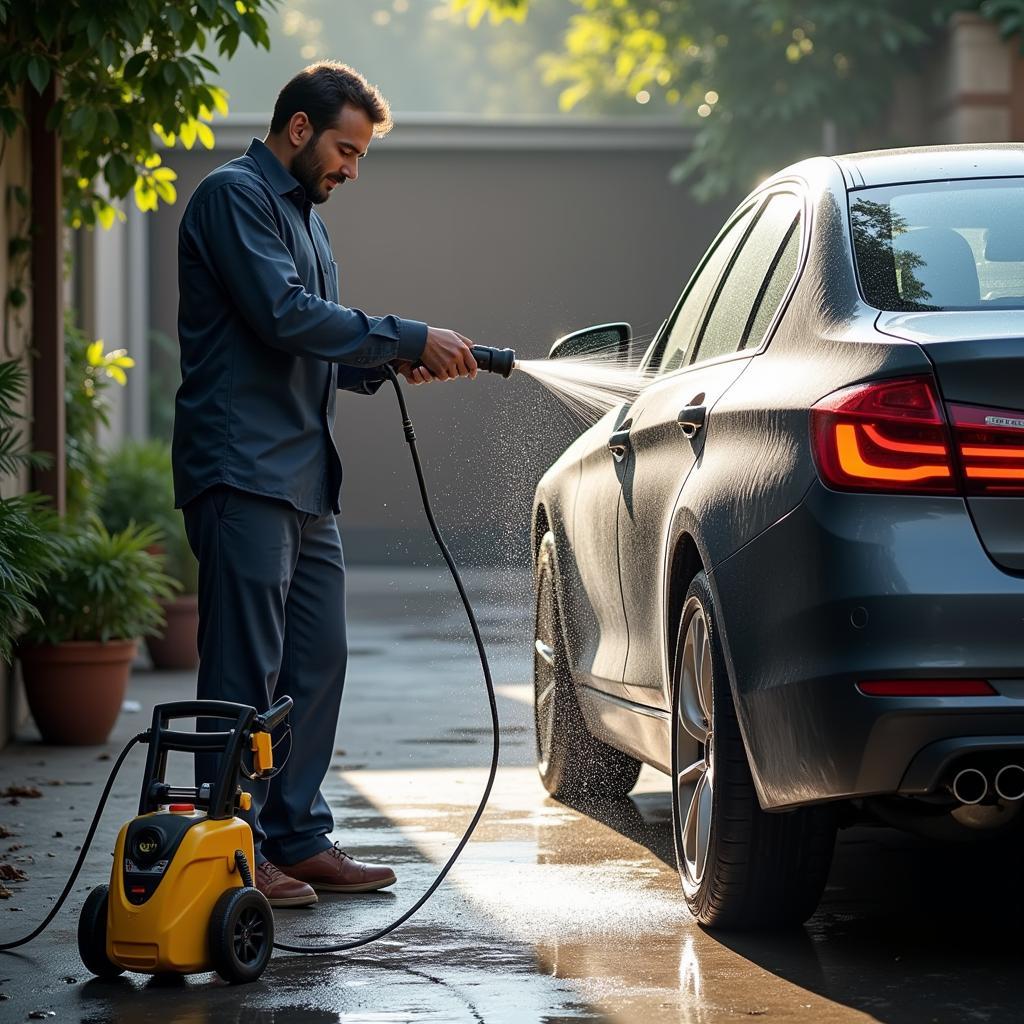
(817, 591)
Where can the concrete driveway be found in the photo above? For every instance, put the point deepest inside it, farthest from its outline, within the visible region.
(552, 914)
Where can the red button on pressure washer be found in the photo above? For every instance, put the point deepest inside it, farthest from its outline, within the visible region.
(181, 808)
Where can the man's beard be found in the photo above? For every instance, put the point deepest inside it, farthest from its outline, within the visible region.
(308, 170)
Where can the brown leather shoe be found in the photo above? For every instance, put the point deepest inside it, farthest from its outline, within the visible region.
(282, 890)
(334, 870)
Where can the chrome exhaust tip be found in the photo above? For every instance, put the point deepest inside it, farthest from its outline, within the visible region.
(1010, 782)
(970, 786)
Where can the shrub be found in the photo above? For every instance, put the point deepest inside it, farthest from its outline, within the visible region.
(106, 587)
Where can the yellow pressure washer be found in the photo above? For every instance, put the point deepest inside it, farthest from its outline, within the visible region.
(181, 897)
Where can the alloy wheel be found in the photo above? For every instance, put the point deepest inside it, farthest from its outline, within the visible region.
(544, 671)
(695, 744)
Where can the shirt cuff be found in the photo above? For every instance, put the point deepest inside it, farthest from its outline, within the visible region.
(412, 339)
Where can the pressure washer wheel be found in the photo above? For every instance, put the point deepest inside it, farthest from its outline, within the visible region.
(740, 867)
(573, 764)
(241, 935)
(92, 934)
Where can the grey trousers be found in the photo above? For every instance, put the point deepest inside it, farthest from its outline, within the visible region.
(272, 622)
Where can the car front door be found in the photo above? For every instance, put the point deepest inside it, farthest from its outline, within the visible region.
(719, 326)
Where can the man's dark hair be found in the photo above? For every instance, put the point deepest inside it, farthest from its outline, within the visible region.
(322, 89)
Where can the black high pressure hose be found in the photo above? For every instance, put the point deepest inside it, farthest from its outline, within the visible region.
(340, 947)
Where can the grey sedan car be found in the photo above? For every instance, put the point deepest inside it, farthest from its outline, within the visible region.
(790, 574)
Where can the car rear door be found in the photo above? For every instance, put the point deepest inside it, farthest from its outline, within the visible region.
(718, 333)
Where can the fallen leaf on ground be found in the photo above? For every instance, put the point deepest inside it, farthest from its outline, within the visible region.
(5, 893)
(28, 791)
(6, 833)
(9, 873)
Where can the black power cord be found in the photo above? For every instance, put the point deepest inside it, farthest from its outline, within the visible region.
(341, 947)
(141, 737)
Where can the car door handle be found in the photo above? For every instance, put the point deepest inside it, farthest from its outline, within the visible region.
(618, 444)
(691, 419)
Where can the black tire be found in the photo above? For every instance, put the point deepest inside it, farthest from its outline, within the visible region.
(92, 934)
(241, 935)
(740, 867)
(573, 764)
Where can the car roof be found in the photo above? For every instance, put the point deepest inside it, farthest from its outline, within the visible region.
(931, 163)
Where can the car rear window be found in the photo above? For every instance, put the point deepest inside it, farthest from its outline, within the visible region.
(941, 245)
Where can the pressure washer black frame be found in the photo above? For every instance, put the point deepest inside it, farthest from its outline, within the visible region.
(221, 802)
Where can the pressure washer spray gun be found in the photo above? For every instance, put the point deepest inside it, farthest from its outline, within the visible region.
(495, 360)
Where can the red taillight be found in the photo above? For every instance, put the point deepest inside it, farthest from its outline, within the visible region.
(990, 443)
(884, 436)
(927, 688)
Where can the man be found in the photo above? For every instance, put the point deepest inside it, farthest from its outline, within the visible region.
(265, 344)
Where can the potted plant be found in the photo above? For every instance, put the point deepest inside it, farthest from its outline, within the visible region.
(76, 653)
(138, 488)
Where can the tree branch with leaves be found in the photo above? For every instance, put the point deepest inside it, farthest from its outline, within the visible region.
(758, 80)
(128, 72)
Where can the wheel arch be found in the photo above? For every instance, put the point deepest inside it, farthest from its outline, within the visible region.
(684, 563)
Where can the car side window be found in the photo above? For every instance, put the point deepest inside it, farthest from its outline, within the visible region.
(725, 330)
(774, 288)
(687, 321)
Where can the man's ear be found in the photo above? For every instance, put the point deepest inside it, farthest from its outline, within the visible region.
(299, 129)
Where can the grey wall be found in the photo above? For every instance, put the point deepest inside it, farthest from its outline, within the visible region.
(511, 236)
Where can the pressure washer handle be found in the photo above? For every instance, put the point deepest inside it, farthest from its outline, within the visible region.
(274, 715)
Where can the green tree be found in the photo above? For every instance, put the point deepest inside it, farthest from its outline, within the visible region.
(762, 81)
(128, 71)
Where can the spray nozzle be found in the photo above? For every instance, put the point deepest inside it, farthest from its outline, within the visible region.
(495, 360)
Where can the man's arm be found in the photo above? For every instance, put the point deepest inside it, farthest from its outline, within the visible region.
(236, 233)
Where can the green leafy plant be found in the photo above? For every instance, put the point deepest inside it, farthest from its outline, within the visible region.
(138, 488)
(762, 82)
(107, 586)
(28, 550)
(127, 69)
(88, 372)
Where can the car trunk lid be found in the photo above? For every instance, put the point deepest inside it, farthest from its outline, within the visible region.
(979, 363)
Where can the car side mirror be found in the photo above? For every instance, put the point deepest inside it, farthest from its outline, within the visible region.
(594, 340)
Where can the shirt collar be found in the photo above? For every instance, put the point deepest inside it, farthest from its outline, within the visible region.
(277, 175)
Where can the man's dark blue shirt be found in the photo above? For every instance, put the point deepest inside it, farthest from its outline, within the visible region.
(265, 343)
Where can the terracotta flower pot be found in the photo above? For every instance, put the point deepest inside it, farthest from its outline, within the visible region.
(178, 648)
(75, 689)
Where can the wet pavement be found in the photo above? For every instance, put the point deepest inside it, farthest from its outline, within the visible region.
(553, 913)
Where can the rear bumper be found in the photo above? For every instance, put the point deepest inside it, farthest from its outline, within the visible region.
(854, 587)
